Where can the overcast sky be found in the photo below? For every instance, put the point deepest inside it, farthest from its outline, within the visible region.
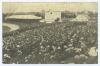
(34, 7)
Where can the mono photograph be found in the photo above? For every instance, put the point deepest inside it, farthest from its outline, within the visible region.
(50, 33)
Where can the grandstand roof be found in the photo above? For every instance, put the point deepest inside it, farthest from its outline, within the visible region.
(81, 17)
(23, 17)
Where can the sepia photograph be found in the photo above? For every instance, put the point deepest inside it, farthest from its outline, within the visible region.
(50, 32)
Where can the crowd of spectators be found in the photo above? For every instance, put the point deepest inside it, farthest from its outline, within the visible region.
(54, 43)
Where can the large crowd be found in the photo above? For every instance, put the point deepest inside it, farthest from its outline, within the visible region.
(55, 43)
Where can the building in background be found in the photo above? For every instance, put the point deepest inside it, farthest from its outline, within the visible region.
(52, 16)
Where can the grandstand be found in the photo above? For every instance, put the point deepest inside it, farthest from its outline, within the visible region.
(23, 17)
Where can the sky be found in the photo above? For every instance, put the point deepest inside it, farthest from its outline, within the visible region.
(9, 7)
